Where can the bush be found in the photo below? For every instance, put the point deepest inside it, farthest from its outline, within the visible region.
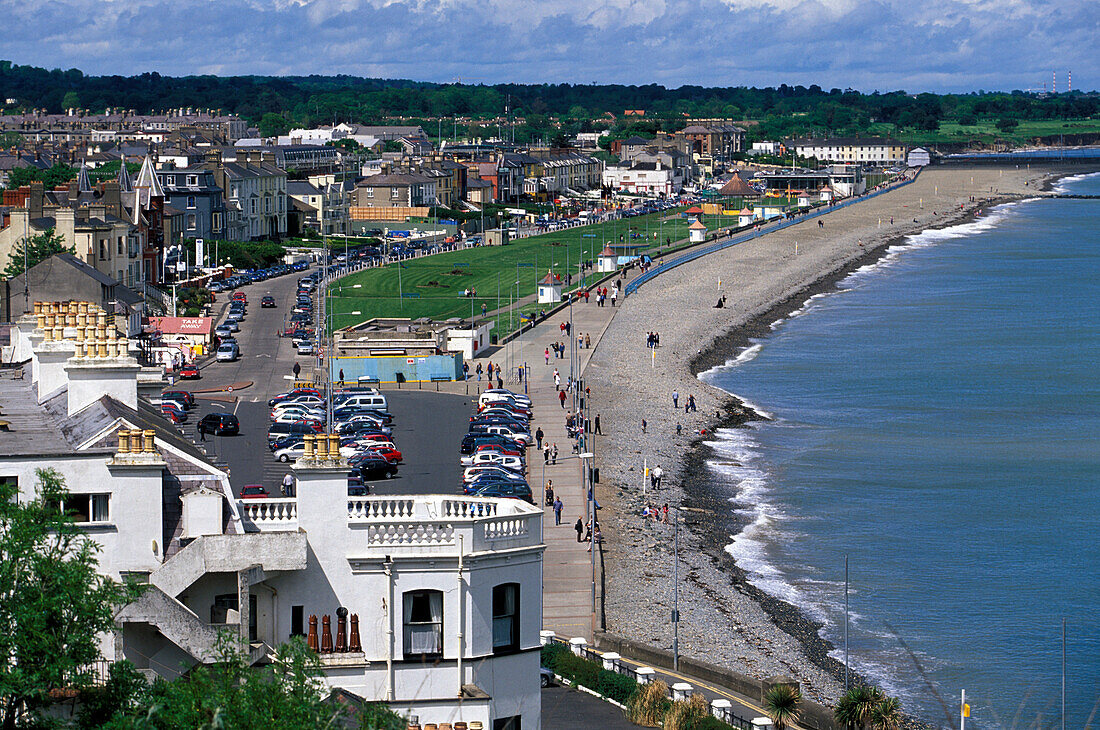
(618, 687)
(687, 715)
(649, 705)
(550, 654)
(710, 722)
(579, 670)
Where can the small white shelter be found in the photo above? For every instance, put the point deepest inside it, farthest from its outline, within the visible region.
(745, 216)
(826, 193)
(550, 289)
(697, 232)
(918, 157)
(608, 260)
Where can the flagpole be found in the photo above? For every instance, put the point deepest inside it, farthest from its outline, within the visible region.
(1063, 673)
(845, 622)
(962, 712)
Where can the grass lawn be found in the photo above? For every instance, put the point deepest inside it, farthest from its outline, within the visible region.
(986, 131)
(432, 286)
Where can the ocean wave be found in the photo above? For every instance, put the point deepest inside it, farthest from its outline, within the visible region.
(1062, 186)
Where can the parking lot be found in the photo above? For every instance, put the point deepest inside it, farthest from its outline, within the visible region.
(427, 428)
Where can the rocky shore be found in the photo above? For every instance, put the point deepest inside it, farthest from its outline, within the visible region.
(724, 618)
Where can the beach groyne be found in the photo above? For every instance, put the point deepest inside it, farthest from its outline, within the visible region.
(725, 619)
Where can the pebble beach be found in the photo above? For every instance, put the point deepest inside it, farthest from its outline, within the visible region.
(724, 619)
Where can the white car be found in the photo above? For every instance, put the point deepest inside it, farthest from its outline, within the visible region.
(305, 347)
(473, 472)
(504, 396)
(290, 415)
(228, 352)
(492, 457)
(299, 449)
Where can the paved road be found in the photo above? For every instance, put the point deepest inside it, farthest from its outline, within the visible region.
(565, 707)
(428, 426)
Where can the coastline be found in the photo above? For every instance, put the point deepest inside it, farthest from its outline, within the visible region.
(740, 626)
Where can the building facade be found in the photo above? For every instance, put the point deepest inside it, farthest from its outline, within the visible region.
(856, 150)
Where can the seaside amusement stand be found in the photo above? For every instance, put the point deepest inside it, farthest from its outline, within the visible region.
(697, 232)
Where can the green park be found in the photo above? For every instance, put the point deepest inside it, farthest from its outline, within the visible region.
(504, 278)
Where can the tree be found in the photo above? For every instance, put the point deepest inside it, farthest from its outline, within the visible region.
(10, 139)
(781, 705)
(71, 100)
(855, 707)
(273, 125)
(1007, 125)
(886, 715)
(54, 603)
(38, 249)
(288, 693)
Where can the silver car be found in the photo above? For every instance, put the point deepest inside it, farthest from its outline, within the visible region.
(228, 352)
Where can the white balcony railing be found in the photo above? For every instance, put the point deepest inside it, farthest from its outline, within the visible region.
(269, 515)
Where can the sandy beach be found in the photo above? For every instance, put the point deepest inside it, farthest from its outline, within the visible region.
(724, 619)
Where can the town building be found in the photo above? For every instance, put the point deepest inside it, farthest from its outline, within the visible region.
(255, 197)
(714, 138)
(395, 190)
(646, 178)
(195, 192)
(855, 150)
(430, 603)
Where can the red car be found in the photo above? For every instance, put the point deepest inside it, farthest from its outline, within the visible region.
(501, 449)
(253, 491)
(393, 456)
(239, 296)
(190, 372)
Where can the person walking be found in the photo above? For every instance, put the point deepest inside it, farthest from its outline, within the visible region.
(675, 399)
(341, 375)
(558, 506)
(657, 474)
(546, 453)
(554, 454)
(561, 398)
(690, 404)
(546, 354)
(597, 424)
(482, 310)
(538, 438)
(644, 424)
(549, 492)
(579, 527)
(587, 342)
(288, 485)
(297, 369)
(478, 370)
(557, 380)
(465, 371)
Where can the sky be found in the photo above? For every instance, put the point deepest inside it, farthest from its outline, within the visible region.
(915, 45)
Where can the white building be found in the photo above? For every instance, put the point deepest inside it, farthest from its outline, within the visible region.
(865, 150)
(429, 603)
(650, 178)
(918, 157)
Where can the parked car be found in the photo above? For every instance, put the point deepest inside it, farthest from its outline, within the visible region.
(374, 467)
(229, 326)
(240, 296)
(253, 491)
(224, 330)
(184, 396)
(291, 394)
(304, 347)
(267, 302)
(228, 352)
(219, 424)
(189, 372)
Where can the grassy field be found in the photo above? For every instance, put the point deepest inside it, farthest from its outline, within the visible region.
(432, 286)
(986, 131)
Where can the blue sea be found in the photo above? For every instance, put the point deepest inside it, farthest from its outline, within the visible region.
(937, 420)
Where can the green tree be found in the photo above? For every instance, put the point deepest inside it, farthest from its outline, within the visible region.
(286, 694)
(71, 100)
(51, 177)
(855, 707)
(273, 125)
(886, 715)
(38, 248)
(781, 704)
(10, 139)
(53, 601)
(1007, 124)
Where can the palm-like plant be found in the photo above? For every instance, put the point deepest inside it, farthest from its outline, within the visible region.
(781, 705)
(855, 707)
(886, 715)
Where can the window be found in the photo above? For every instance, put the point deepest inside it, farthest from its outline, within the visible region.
(507, 723)
(297, 621)
(226, 602)
(191, 201)
(423, 624)
(191, 221)
(506, 618)
(87, 508)
(395, 192)
(11, 482)
(102, 251)
(192, 181)
(121, 246)
(370, 192)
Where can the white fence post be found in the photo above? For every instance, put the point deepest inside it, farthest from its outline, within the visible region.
(681, 691)
(577, 644)
(646, 674)
(546, 637)
(611, 661)
(721, 709)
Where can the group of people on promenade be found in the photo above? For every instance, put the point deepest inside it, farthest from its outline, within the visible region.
(653, 339)
(689, 406)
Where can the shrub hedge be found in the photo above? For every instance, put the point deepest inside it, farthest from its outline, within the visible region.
(562, 661)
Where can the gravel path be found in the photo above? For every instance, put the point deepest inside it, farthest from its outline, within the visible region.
(724, 619)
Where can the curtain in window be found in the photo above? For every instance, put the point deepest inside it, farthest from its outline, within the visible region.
(504, 615)
(424, 622)
(100, 507)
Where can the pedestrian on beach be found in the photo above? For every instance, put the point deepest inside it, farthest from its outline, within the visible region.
(657, 474)
(598, 424)
(554, 454)
(579, 527)
(679, 429)
(675, 399)
(665, 510)
(557, 510)
(538, 438)
(644, 424)
(690, 403)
